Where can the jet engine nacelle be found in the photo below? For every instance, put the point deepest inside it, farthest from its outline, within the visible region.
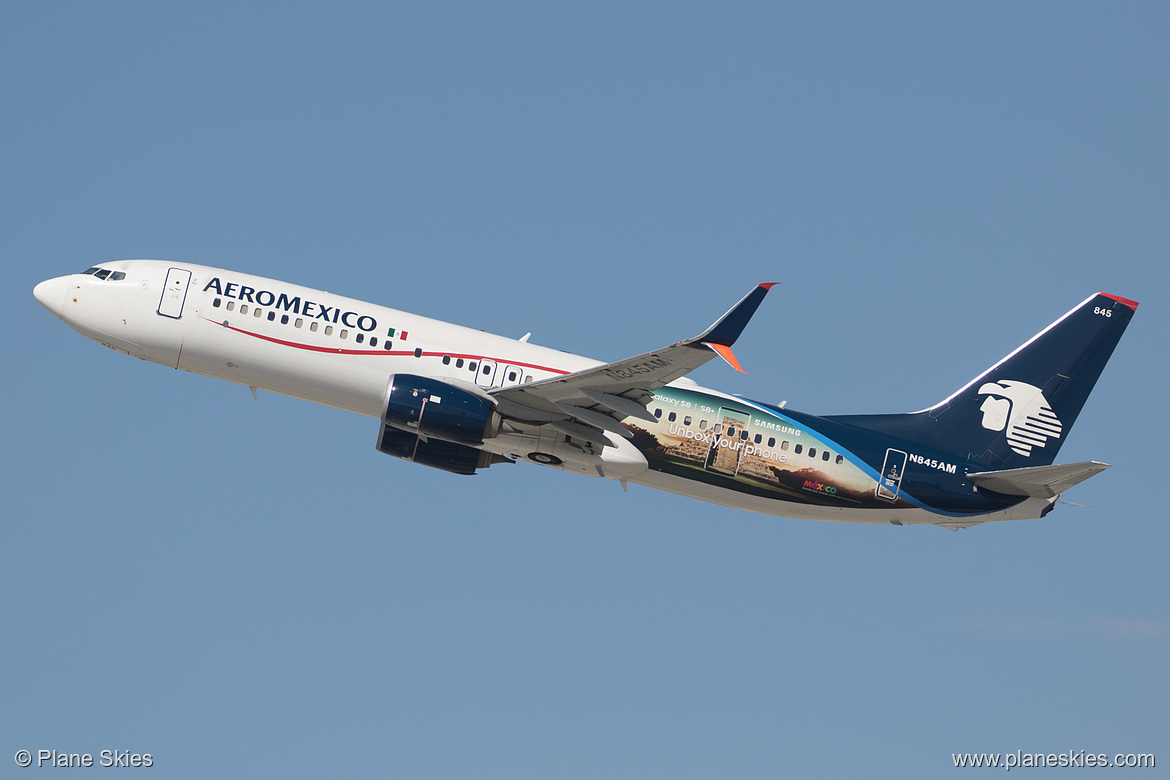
(443, 455)
(434, 409)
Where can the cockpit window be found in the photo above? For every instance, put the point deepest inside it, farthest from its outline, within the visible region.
(104, 274)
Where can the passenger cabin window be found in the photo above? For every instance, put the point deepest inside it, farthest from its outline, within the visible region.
(328, 330)
(446, 360)
(840, 459)
(313, 326)
(243, 308)
(231, 305)
(359, 338)
(658, 413)
(702, 425)
(672, 417)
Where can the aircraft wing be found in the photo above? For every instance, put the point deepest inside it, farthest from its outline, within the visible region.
(584, 403)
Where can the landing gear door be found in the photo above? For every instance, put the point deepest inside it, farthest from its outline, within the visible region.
(890, 480)
(174, 293)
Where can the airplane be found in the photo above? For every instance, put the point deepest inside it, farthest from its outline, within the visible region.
(462, 400)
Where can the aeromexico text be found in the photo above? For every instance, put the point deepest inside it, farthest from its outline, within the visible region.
(312, 309)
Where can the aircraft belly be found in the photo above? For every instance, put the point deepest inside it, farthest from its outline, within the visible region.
(781, 507)
(549, 448)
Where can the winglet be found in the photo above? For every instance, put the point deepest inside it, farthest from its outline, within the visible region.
(724, 332)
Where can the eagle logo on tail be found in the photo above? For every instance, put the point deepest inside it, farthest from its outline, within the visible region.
(1023, 410)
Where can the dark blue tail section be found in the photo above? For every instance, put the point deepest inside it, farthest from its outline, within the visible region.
(1018, 412)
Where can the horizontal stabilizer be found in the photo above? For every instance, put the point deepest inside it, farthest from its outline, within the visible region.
(1037, 481)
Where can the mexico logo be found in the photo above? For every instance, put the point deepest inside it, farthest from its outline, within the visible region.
(1023, 410)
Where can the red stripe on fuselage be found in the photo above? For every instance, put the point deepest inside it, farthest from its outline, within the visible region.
(389, 352)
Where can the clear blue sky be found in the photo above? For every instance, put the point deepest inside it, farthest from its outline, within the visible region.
(247, 588)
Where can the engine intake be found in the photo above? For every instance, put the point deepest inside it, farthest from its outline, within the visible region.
(437, 409)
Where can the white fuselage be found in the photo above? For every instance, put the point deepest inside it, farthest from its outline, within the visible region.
(321, 359)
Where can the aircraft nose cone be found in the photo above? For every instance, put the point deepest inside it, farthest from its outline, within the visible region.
(51, 294)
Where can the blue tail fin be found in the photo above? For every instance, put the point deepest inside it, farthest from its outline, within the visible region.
(1018, 412)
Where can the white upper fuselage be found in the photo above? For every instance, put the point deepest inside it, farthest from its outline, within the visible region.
(336, 351)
